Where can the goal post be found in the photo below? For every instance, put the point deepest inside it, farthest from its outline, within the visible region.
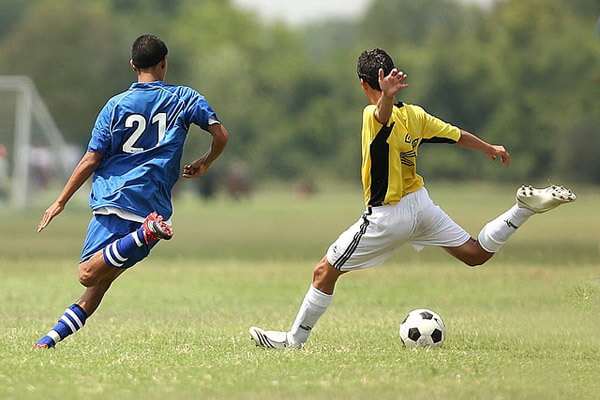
(30, 107)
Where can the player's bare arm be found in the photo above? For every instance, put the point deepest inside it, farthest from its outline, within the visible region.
(199, 167)
(471, 141)
(390, 86)
(86, 167)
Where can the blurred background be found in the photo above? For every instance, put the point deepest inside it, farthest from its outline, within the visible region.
(282, 77)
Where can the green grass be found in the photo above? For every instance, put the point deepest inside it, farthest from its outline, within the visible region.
(525, 326)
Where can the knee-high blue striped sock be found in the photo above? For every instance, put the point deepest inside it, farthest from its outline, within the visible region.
(119, 251)
(71, 321)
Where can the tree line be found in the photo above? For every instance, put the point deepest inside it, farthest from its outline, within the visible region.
(523, 73)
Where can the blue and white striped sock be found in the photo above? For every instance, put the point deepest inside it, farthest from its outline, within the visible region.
(119, 251)
(71, 321)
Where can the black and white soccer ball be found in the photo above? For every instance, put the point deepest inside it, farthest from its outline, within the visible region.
(422, 328)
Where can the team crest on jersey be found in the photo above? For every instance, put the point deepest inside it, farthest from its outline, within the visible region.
(407, 157)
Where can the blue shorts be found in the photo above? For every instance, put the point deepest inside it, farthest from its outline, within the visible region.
(105, 229)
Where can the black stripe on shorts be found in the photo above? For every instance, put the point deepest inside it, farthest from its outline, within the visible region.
(354, 244)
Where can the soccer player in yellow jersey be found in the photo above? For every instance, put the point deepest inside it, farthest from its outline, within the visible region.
(399, 209)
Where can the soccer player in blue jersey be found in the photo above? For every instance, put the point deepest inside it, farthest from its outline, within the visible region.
(134, 155)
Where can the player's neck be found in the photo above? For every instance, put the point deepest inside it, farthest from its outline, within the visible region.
(374, 96)
(149, 77)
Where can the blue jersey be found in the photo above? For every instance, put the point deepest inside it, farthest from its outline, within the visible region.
(140, 134)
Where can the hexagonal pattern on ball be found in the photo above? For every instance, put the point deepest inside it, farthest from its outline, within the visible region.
(422, 328)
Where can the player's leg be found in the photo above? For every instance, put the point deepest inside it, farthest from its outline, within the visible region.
(117, 253)
(109, 259)
(77, 314)
(92, 296)
(493, 235)
(367, 243)
(317, 300)
(471, 253)
(434, 227)
(530, 201)
(93, 270)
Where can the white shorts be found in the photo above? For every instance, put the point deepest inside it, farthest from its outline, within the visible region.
(382, 230)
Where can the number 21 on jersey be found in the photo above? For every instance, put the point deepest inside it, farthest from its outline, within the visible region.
(140, 127)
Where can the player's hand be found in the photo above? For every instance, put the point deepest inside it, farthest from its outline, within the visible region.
(390, 85)
(52, 211)
(196, 168)
(499, 151)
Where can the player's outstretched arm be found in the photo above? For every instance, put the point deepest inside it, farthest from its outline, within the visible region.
(199, 167)
(390, 86)
(86, 167)
(471, 141)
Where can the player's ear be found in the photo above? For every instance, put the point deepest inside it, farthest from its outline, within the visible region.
(133, 67)
(364, 84)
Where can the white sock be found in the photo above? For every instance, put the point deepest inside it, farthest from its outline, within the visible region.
(314, 305)
(496, 232)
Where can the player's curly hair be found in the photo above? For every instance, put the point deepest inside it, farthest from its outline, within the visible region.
(148, 50)
(369, 64)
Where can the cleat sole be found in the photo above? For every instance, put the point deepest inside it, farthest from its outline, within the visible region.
(542, 200)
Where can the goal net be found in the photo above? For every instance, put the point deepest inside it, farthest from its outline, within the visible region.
(33, 152)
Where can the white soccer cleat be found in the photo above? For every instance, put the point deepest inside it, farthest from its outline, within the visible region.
(271, 339)
(542, 200)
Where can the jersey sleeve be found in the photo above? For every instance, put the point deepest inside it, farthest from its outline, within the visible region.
(101, 137)
(437, 131)
(200, 112)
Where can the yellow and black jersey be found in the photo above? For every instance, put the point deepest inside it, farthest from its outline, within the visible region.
(389, 153)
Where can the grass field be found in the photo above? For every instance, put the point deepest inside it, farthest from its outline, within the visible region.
(524, 326)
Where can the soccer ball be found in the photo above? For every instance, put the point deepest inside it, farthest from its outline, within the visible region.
(422, 328)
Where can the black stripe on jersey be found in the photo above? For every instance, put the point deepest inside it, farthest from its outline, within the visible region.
(438, 140)
(380, 165)
(354, 244)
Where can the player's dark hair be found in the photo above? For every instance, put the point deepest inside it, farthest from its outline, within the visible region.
(147, 51)
(369, 64)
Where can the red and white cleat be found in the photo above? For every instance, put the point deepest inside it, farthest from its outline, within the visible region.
(155, 228)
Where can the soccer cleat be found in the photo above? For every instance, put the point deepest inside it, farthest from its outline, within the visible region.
(46, 342)
(272, 339)
(155, 228)
(542, 200)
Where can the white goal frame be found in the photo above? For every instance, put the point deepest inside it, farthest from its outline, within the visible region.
(29, 105)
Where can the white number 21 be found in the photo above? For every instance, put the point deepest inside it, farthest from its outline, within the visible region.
(140, 121)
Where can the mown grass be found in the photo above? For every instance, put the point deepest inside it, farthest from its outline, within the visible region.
(524, 326)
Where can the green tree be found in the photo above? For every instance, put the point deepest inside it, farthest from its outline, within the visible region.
(73, 52)
(546, 62)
